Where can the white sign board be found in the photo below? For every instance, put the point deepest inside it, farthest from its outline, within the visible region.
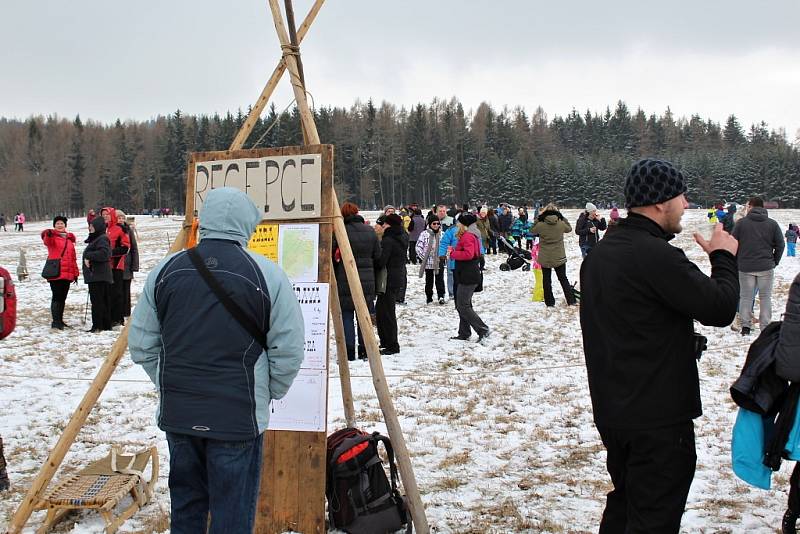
(313, 299)
(282, 187)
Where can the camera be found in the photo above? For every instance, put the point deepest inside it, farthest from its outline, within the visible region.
(700, 344)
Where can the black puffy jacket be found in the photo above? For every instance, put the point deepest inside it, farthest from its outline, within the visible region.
(367, 252)
(394, 247)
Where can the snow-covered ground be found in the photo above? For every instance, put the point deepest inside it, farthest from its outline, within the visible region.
(501, 435)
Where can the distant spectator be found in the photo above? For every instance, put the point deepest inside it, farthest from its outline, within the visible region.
(760, 250)
(3, 221)
(791, 239)
(728, 220)
(588, 228)
(60, 244)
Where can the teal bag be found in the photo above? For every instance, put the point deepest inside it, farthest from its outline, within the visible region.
(751, 431)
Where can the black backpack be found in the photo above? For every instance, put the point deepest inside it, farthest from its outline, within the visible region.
(361, 500)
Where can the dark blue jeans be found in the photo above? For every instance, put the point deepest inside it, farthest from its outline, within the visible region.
(212, 476)
(348, 316)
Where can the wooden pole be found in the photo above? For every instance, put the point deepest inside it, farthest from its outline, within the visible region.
(341, 353)
(373, 352)
(306, 118)
(261, 103)
(76, 422)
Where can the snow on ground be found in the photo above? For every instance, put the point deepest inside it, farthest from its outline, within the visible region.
(501, 435)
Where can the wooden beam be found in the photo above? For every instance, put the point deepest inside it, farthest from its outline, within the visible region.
(261, 103)
(306, 117)
(341, 353)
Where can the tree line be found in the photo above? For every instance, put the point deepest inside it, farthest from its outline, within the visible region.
(385, 154)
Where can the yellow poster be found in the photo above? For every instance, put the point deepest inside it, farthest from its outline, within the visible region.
(265, 241)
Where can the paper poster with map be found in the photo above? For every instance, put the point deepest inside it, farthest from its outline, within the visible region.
(298, 251)
(304, 407)
(264, 241)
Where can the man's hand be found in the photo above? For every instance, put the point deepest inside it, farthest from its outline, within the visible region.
(87, 264)
(592, 229)
(720, 240)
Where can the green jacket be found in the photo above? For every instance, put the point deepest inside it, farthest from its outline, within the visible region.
(551, 227)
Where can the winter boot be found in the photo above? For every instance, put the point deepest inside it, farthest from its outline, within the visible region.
(789, 523)
(57, 311)
(4, 483)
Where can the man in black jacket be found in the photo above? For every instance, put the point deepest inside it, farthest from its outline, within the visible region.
(640, 359)
(588, 228)
(760, 250)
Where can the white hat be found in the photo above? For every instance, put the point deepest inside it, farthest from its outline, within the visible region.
(590, 207)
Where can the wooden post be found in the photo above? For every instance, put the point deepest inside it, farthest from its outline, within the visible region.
(341, 353)
(76, 422)
(373, 352)
(261, 103)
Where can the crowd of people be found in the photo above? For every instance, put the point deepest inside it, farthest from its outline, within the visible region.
(641, 360)
(108, 264)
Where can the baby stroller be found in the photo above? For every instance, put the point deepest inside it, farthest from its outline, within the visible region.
(517, 257)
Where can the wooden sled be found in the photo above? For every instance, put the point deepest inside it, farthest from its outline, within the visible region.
(102, 486)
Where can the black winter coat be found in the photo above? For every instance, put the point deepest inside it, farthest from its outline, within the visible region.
(394, 247)
(639, 298)
(505, 220)
(585, 237)
(98, 252)
(787, 351)
(132, 257)
(367, 253)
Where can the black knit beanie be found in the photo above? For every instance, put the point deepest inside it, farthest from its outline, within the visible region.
(652, 181)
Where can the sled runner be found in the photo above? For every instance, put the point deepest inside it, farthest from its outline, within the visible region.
(102, 486)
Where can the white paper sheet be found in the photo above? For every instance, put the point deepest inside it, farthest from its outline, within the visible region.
(313, 299)
(304, 408)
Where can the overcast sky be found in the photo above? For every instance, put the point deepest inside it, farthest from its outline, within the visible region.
(109, 59)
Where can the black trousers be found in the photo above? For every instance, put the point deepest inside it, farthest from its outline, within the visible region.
(60, 290)
(429, 279)
(386, 317)
(547, 282)
(117, 297)
(412, 252)
(100, 295)
(652, 470)
(126, 311)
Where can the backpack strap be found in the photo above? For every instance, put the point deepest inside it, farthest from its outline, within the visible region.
(377, 437)
(237, 312)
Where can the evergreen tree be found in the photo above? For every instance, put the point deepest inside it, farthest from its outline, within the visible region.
(76, 166)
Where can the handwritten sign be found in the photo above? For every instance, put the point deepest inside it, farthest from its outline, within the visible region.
(282, 187)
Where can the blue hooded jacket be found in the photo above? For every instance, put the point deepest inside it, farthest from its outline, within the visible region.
(214, 379)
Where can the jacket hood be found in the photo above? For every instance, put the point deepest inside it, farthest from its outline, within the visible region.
(113, 213)
(758, 214)
(99, 225)
(550, 217)
(354, 219)
(228, 214)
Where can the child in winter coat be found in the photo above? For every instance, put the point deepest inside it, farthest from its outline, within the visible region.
(520, 227)
(791, 239)
(431, 266)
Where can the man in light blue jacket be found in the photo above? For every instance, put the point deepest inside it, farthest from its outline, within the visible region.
(215, 380)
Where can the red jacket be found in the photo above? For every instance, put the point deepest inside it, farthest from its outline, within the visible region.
(120, 242)
(55, 245)
(467, 248)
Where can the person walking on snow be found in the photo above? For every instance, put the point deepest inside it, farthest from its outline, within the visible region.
(467, 254)
(551, 227)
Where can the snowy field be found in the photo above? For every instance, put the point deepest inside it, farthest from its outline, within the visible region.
(501, 435)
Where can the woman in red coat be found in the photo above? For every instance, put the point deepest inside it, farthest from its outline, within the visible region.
(60, 244)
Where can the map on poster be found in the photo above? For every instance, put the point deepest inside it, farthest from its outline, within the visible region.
(304, 407)
(264, 241)
(298, 251)
(313, 299)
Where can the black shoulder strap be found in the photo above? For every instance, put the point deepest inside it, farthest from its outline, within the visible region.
(233, 308)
